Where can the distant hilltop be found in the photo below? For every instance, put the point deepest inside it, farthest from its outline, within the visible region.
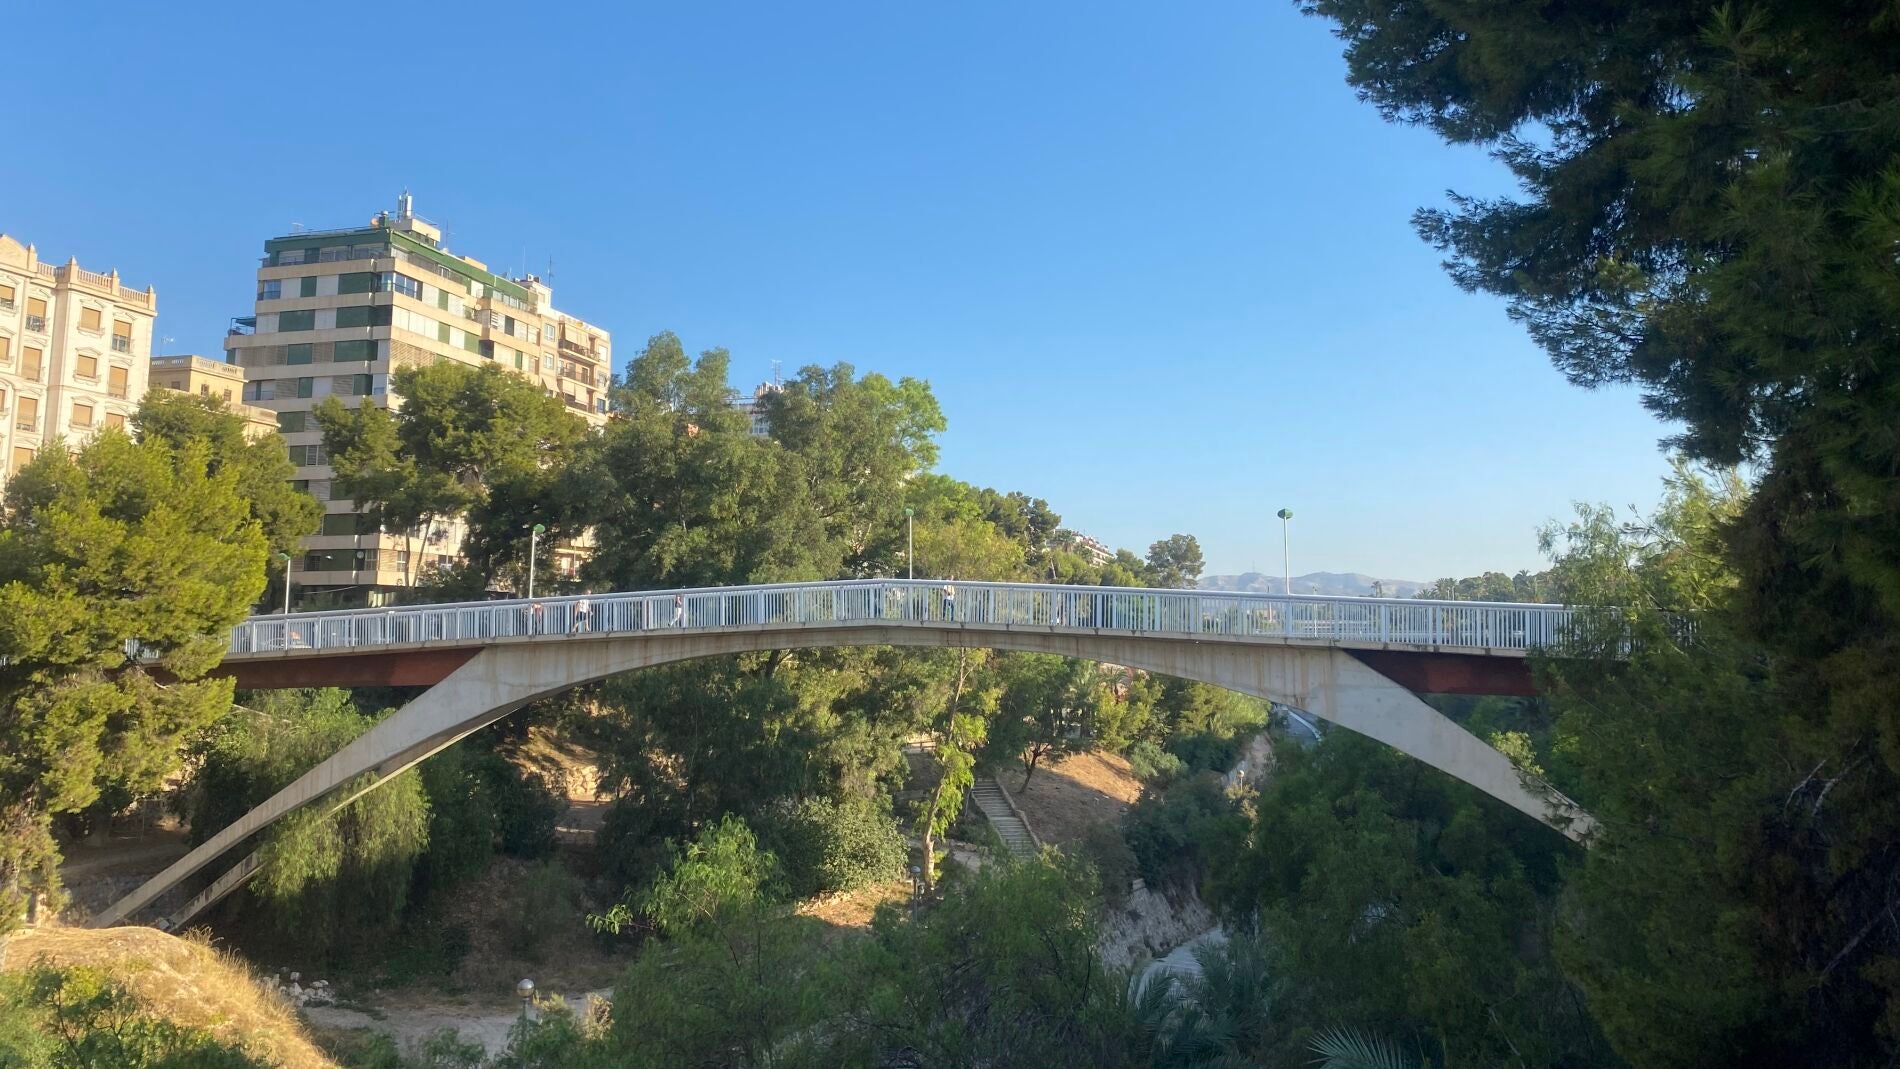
(1338, 584)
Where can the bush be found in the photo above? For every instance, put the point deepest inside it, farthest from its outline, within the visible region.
(1114, 862)
(1152, 764)
(828, 845)
(1173, 833)
(52, 1018)
(1204, 751)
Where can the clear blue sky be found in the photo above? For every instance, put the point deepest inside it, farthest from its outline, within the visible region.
(1155, 259)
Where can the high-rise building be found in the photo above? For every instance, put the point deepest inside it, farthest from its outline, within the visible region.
(73, 348)
(338, 310)
(212, 378)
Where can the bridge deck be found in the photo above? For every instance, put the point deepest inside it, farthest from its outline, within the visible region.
(419, 645)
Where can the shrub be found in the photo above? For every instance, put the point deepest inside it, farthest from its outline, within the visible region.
(1152, 764)
(828, 845)
(1114, 862)
(1174, 832)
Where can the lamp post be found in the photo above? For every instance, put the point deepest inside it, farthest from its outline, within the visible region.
(525, 989)
(910, 541)
(286, 558)
(533, 533)
(1286, 556)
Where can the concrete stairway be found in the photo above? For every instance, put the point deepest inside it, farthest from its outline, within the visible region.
(989, 797)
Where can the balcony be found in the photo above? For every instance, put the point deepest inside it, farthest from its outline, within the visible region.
(584, 352)
(36, 324)
(31, 373)
(243, 326)
(27, 425)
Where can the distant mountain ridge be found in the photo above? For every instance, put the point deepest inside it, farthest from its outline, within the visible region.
(1337, 584)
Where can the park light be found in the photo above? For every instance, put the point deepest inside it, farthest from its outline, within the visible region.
(286, 559)
(910, 541)
(533, 533)
(1286, 555)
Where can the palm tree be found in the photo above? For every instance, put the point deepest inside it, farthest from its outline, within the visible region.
(1351, 1048)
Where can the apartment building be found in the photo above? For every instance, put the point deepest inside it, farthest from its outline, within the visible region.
(338, 311)
(73, 347)
(212, 378)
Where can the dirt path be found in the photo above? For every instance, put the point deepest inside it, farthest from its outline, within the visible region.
(411, 1021)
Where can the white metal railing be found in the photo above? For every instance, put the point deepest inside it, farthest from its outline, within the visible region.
(1467, 625)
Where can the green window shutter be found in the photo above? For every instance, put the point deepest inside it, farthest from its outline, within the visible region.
(303, 386)
(290, 422)
(517, 361)
(355, 350)
(309, 286)
(356, 282)
(298, 353)
(353, 316)
(304, 320)
(363, 383)
(442, 333)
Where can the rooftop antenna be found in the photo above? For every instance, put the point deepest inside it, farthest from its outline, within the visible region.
(777, 382)
(296, 228)
(549, 278)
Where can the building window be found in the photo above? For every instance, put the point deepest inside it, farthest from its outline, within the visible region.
(28, 417)
(88, 367)
(291, 422)
(22, 456)
(82, 415)
(305, 386)
(307, 286)
(270, 289)
(356, 282)
(297, 353)
(399, 283)
(121, 337)
(36, 315)
(91, 319)
(115, 419)
(308, 455)
(303, 320)
(288, 257)
(6, 350)
(30, 364)
(355, 350)
(116, 382)
(6, 298)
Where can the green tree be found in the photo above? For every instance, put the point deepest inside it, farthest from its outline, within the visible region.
(119, 563)
(683, 495)
(473, 443)
(1708, 210)
(337, 873)
(1175, 561)
(285, 513)
(860, 439)
(1044, 709)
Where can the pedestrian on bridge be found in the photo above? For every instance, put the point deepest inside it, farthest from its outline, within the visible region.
(679, 610)
(949, 601)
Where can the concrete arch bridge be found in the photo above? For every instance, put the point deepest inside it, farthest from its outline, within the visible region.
(1357, 662)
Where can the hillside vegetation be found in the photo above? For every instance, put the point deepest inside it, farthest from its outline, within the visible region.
(183, 982)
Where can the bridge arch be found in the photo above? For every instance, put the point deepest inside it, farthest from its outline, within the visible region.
(502, 675)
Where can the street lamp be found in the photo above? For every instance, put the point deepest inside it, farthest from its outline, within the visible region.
(525, 989)
(533, 533)
(1286, 557)
(910, 540)
(286, 559)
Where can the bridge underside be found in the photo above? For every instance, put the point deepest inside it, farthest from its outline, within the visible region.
(1367, 691)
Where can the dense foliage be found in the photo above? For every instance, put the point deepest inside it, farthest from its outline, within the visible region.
(120, 564)
(1708, 209)
(80, 1018)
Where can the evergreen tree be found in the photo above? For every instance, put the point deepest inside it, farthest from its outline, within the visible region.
(120, 565)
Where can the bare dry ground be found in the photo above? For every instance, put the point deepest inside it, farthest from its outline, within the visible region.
(1066, 798)
(183, 980)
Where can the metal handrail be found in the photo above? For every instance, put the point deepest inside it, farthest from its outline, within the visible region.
(1501, 627)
